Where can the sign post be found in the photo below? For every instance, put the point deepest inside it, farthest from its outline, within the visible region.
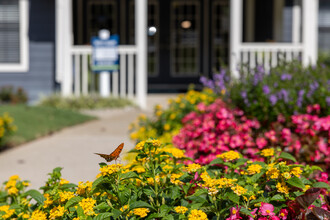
(105, 58)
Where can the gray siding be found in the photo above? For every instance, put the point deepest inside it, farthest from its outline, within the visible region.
(39, 80)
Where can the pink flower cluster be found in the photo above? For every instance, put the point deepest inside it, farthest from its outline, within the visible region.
(216, 128)
(265, 211)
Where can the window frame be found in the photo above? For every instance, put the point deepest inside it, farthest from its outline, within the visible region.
(23, 65)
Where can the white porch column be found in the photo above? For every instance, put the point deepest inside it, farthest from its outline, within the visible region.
(63, 46)
(236, 27)
(296, 22)
(141, 13)
(310, 31)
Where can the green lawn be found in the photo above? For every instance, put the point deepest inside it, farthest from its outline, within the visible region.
(36, 121)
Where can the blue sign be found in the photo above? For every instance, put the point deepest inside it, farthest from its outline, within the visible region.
(105, 54)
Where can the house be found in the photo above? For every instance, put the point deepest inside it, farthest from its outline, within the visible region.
(45, 44)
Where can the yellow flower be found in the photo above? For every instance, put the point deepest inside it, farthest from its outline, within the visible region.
(193, 167)
(8, 212)
(229, 156)
(14, 177)
(239, 190)
(25, 183)
(110, 169)
(12, 191)
(48, 200)
(56, 212)
(286, 175)
(77, 218)
(167, 127)
(151, 180)
(197, 215)
(273, 173)
(64, 181)
(307, 187)
(254, 168)
(64, 196)
(140, 145)
(174, 179)
(180, 209)
(154, 142)
(142, 212)
(296, 171)
(38, 215)
(213, 191)
(84, 187)
(159, 113)
(282, 188)
(87, 205)
(267, 152)
(177, 153)
(172, 116)
(139, 169)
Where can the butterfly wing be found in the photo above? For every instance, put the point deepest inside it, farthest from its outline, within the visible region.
(105, 156)
(114, 155)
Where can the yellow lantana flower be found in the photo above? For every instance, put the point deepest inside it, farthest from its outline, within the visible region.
(180, 209)
(229, 156)
(197, 215)
(267, 152)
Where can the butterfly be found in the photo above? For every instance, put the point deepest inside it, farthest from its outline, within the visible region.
(114, 155)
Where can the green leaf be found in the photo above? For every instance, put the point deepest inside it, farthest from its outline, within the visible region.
(241, 161)
(277, 197)
(288, 156)
(36, 195)
(80, 212)
(257, 176)
(116, 213)
(128, 175)
(97, 182)
(102, 206)
(316, 168)
(321, 185)
(72, 201)
(164, 210)
(216, 161)
(124, 196)
(102, 216)
(245, 211)
(196, 205)
(233, 197)
(296, 182)
(139, 204)
(69, 185)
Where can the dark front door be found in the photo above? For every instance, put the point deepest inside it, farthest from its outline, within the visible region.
(191, 40)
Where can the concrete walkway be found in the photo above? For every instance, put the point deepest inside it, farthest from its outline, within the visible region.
(73, 148)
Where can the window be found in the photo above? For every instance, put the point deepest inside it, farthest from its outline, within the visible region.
(13, 35)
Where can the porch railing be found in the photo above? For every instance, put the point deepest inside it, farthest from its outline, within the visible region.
(267, 55)
(122, 82)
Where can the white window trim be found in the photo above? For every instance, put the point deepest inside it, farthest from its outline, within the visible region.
(23, 65)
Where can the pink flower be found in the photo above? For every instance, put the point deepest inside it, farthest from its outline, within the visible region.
(261, 142)
(284, 214)
(234, 214)
(266, 209)
(274, 217)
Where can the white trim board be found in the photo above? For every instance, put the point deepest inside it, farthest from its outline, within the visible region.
(23, 65)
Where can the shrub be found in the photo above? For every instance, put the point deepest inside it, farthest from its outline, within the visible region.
(84, 102)
(8, 95)
(217, 128)
(6, 127)
(158, 186)
(165, 123)
(287, 89)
